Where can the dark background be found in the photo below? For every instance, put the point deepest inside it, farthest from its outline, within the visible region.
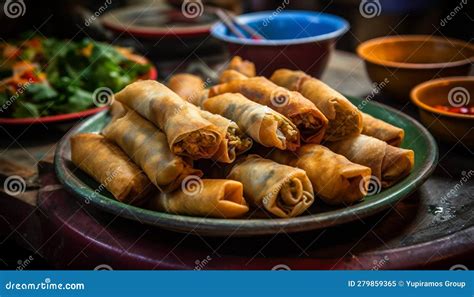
(65, 19)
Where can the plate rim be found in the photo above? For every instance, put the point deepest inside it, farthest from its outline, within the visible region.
(112, 23)
(248, 227)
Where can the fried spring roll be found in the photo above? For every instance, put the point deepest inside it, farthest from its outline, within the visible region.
(148, 147)
(230, 75)
(245, 67)
(336, 180)
(234, 141)
(117, 110)
(186, 85)
(300, 111)
(188, 133)
(389, 164)
(282, 190)
(217, 198)
(263, 124)
(110, 166)
(345, 120)
(382, 130)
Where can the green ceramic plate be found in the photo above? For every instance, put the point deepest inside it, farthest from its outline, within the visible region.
(321, 216)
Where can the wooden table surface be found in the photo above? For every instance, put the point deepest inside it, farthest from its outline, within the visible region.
(423, 231)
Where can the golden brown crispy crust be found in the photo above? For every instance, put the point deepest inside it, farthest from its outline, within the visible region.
(382, 130)
(217, 198)
(263, 124)
(110, 167)
(335, 179)
(188, 133)
(282, 190)
(245, 67)
(302, 112)
(148, 148)
(345, 120)
(389, 164)
(186, 85)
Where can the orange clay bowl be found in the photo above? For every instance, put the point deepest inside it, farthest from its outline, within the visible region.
(451, 91)
(405, 61)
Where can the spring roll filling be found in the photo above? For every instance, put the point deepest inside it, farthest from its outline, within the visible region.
(237, 141)
(307, 124)
(196, 143)
(337, 127)
(285, 132)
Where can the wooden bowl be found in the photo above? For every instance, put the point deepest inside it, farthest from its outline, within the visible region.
(452, 91)
(406, 61)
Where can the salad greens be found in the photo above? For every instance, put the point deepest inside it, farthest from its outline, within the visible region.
(41, 77)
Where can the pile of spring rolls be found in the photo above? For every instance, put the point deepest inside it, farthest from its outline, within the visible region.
(272, 145)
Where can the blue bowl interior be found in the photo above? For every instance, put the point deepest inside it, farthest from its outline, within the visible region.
(286, 27)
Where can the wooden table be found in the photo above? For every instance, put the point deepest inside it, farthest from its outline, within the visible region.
(423, 231)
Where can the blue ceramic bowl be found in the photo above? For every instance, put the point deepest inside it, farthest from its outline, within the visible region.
(293, 39)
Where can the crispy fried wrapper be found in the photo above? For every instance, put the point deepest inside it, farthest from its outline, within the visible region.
(111, 167)
(117, 110)
(218, 198)
(245, 67)
(187, 132)
(234, 141)
(147, 146)
(186, 85)
(335, 179)
(382, 130)
(230, 75)
(282, 190)
(303, 113)
(389, 164)
(345, 120)
(263, 124)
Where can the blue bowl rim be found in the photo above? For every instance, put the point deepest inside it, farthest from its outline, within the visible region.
(217, 29)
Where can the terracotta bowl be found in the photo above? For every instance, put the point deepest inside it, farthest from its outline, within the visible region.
(451, 91)
(406, 61)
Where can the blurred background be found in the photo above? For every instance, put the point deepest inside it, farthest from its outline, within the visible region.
(75, 19)
(173, 41)
(64, 17)
(148, 32)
